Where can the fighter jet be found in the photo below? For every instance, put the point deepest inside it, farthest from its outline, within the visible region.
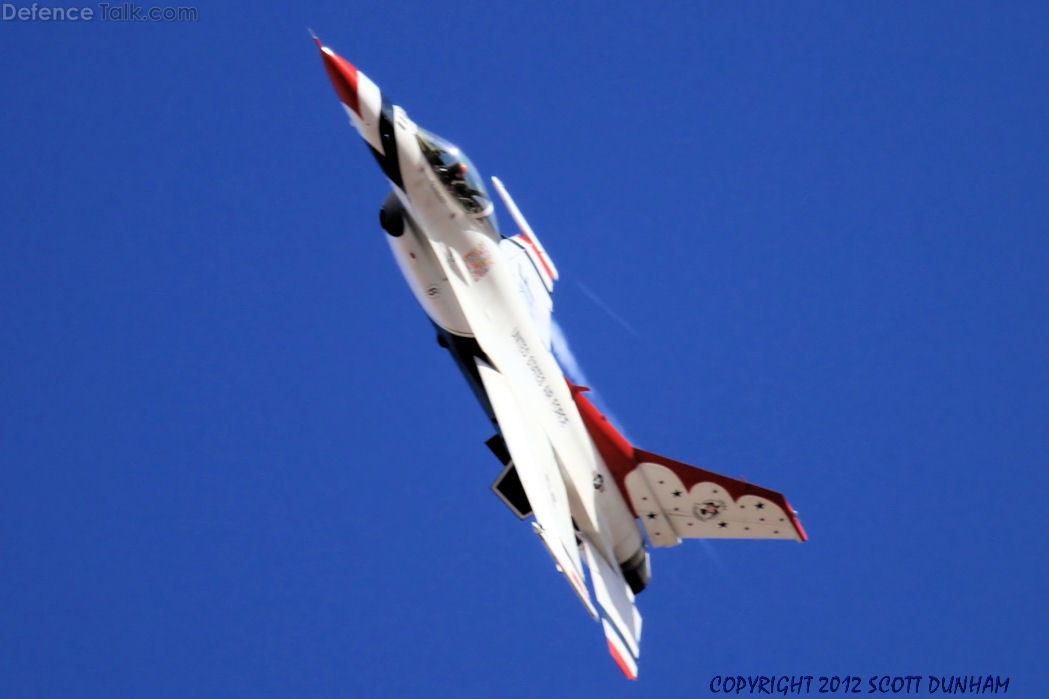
(591, 495)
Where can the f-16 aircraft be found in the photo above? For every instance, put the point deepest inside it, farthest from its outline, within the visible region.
(593, 497)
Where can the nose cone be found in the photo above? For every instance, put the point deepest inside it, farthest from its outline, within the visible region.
(343, 77)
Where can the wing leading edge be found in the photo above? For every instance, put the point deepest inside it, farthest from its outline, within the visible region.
(619, 617)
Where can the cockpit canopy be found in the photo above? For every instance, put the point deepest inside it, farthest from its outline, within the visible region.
(460, 178)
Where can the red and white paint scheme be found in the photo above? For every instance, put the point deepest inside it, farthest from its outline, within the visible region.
(594, 497)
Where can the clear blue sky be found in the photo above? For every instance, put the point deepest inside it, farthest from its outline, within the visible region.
(236, 463)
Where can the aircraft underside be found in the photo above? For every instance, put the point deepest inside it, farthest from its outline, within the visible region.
(596, 502)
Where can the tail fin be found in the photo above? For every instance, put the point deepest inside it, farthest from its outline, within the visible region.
(690, 503)
(676, 501)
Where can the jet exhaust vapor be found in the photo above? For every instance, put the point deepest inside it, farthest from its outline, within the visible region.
(595, 500)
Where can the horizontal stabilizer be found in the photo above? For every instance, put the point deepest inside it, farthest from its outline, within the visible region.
(615, 599)
(626, 662)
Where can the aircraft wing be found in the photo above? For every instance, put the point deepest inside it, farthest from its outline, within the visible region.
(676, 501)
(541, 479)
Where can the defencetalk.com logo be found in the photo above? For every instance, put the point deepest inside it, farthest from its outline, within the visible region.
(103, 11)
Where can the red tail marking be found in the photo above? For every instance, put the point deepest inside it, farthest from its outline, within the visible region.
(614, 448)
(796, 521)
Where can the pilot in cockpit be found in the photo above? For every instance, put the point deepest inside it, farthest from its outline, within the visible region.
(455, 177)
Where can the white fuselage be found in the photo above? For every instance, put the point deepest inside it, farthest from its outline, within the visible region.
(458, 270)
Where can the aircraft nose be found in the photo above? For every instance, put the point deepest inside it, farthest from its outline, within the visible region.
(360, 97)
(343, 77)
